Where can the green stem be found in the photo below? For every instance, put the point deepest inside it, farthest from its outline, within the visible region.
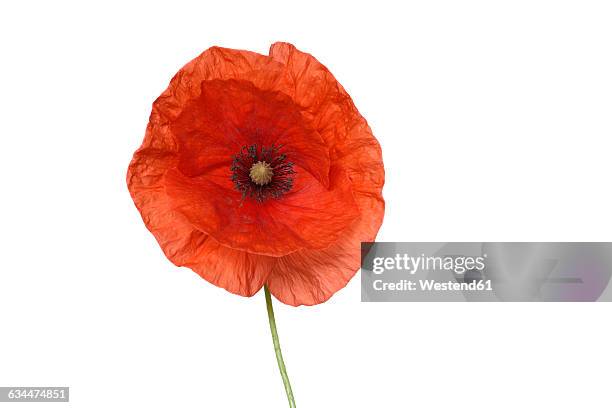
(277, 349)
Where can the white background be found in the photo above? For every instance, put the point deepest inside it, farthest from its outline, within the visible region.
(495, 123)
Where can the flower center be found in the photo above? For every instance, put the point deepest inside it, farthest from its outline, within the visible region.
(261, 173)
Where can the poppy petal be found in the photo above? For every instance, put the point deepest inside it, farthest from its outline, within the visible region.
(236, 271)
(229, 115)
(310, 277)
(221, 64)
(309, 216)
(334, 116)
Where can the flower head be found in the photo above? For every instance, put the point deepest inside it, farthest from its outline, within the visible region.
(260, 170)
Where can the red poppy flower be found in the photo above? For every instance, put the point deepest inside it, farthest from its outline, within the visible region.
(259, 170)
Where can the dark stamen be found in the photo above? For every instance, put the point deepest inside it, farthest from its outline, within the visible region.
(282, 172)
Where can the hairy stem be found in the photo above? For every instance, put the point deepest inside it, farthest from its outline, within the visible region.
(277, 349)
